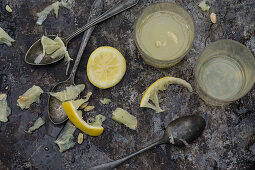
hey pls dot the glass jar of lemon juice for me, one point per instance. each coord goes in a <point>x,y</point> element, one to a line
<point>164,33</point>
<point>224,72</point>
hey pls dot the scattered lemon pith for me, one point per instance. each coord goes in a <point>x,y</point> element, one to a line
<point>151,93</point>
<point>77,120</point>
<point>106,67</point>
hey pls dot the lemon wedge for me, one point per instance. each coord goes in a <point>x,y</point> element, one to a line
<point>151,93</point>
<point>106,67</point>
<point>76,118</point>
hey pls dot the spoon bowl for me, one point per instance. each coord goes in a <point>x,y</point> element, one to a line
<point>184,130</point>
<point>34,55</point>
<point>55,110</point>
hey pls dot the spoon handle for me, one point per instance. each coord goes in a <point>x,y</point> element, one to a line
<point>122,6</point>
<point>113,164</point>
<point>96,9</point>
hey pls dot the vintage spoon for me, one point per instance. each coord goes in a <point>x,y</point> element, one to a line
<point>56,113</point>
<point>179,132</point>
<point>35,51</point>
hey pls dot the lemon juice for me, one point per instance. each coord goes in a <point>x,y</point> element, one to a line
<point>164,35</point>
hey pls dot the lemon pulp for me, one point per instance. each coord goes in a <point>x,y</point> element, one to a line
<point>106,67</point>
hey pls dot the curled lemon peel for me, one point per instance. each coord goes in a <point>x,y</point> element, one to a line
<point>151,93</point>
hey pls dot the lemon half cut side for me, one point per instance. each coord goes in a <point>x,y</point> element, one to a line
<point>106,67</point>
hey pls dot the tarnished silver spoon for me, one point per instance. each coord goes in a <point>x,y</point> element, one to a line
<point>179,132</point>
<point>55,110</point>
<point>35,51</point>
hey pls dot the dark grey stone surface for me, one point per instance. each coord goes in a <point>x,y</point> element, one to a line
<point>227,142</point>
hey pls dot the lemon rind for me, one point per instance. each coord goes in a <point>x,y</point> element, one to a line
<point>160,85</point>
<point>81,124</point>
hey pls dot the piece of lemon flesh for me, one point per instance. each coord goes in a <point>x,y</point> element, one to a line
<point>65,139</point>
<point>55,48</point>
<point>78,103</point>
<point>204,6</point>
<point>37,124</point>
<point>76,118</point>
<point>61,51</point>
<point>49,45</point>
<point>122,116</point>
<point>97,121</point>
<point>151,93</point>
<point>42,16</point>
<point>105,101</point>
<point>5,38</point>
<point>30,96</point>
<point>106,67</point>
<point>70,93</point>
<point>5,110</point>
<point>55,7</point>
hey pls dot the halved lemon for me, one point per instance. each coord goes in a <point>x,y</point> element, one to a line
<point>76,118</point>
<point>151,93</point>
<point>106,67</point>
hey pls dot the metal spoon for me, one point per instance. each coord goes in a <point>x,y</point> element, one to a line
<point>35,51</point>
<point>178,133</point>
<point>55,110</point>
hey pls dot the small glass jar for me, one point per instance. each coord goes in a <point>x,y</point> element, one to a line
<point>179,13</point>
<point>224,72</point>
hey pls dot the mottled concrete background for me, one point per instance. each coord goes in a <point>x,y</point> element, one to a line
<point>227,142</point>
